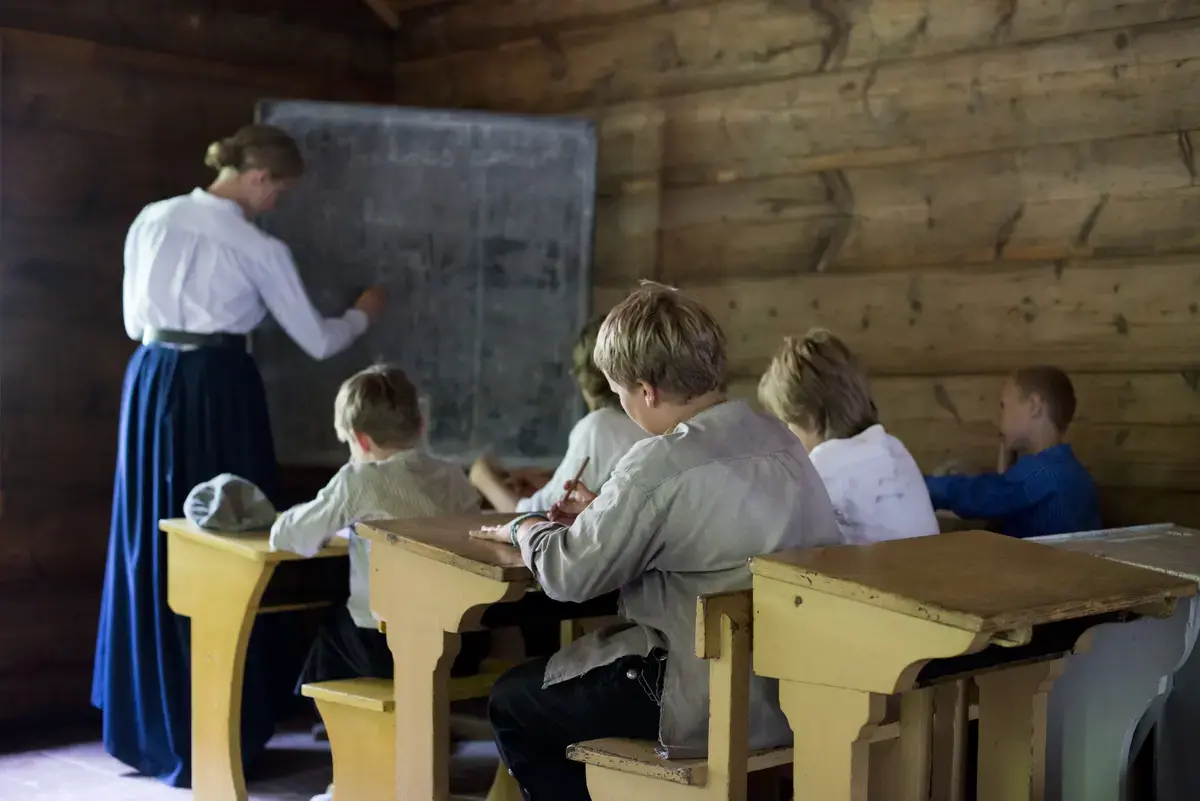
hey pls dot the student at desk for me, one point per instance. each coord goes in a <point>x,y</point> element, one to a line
<point>198,278</point>
<point>388,477</point>
<point>816,386</point>
<point>601,438</point>
<point>1040,487</point>
<point>715,484</point>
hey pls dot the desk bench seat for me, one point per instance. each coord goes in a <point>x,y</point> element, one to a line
<point>360,717</point>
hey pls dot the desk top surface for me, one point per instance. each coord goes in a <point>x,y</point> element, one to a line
<point>974,580</point>
<point>1166,547</point>
<point>447,540</point>
<point>254,545</point>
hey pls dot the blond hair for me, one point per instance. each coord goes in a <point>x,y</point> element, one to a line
<point>816,383</point>
<point>1054,388</point>
<point>257,147</point>
<point>658,336</point>
<point>592,383</point>
<point>381,403</point>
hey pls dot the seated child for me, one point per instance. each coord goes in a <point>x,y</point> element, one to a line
<point>816,386</point>
<point>376,414</point>
<point>602,437</point>
<point>715,484</point>
<point>1046,490</point>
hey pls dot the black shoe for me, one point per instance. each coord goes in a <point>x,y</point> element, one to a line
<point>319,734</point>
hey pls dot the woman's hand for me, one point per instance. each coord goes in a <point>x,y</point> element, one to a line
<point>565,511</point>
<point>372,302</point>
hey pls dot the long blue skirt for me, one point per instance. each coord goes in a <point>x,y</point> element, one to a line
<point>186,416</point>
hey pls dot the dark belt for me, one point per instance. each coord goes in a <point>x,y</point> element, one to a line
<point>189,339</point>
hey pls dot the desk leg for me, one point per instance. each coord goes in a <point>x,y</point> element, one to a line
<point>951,714</point>
<point>423,655</point>
<point>1105,690</point>
<point>220,593</point>
<point>1178,723</point>
<point>1012,731</point>
<point>425,604</point>
<point>833,729</point>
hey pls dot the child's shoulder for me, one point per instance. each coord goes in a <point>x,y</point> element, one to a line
<point>607,423</point>
<point>731,431</point>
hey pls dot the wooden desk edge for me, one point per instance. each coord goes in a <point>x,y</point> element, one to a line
<point>506,575</point>
<point>243,544</point>
<point>804,579</point>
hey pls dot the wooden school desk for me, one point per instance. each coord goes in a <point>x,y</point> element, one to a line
<point>429,582</point>
<point>844,627</point>
<point>1131,668</point>
<point>219,581</point>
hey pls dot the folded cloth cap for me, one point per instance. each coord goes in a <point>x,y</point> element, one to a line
<point>229,503</point>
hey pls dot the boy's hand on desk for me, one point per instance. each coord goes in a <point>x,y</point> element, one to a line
<point>565,511</point>
<point>493,533</point>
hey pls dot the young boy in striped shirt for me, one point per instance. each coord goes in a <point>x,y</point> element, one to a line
<point>388,477</point>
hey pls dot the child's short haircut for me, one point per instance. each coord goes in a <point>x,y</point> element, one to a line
<point>658,336</point>
<point>1053,387</point>
<point>381,403</point>
<point>816,383</point>
<point>587,375</point>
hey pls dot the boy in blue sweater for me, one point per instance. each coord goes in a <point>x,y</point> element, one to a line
<point>1041,488</point>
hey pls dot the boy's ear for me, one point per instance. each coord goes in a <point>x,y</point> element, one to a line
<point>364,442</point>
<point>1037,405</point>
<point>650,396</point>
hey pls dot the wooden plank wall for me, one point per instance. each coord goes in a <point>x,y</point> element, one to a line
<point>958,187</point>
<point>108,106</point>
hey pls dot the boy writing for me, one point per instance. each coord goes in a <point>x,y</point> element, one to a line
<point>715,484</point>
<point>377,415</point>
<point>816,386</point>
<point>1040,488</point>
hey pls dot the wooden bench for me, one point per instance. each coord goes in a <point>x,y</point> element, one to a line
<point>360,716</point>
<point>625,769</point>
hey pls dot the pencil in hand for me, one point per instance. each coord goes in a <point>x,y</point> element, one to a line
<point>575,481</point>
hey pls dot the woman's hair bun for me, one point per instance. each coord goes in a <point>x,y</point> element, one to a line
<point>253,147</point>
<point>220,155</point>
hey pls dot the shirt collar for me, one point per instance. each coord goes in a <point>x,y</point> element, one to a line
<point>208,199</point>
<point>868,435</point>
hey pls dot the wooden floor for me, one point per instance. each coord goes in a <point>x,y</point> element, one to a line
<point>295,769</point>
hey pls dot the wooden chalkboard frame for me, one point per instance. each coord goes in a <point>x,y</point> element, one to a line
<point>573,407</point>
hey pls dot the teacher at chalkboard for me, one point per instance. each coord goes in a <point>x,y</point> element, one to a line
<point>198,278</point>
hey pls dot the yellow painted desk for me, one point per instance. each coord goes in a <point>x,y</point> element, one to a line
<point>218,581</point>
<point>429,582</point>
<point>844,627</point>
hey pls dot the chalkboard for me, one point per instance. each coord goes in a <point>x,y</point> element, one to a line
<point>480,226</point>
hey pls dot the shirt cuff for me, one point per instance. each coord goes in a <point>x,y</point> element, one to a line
<point>358,321</point>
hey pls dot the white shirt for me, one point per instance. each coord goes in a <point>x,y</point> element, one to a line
<point>194,263</point>
<point>408,484</point>
<point>605,435</point>
<point>877,490</point>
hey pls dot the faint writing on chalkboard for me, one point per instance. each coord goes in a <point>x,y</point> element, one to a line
<point>480,226</point>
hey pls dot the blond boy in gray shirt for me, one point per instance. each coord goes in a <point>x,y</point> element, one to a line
<point>377,415</point>
<point>714,485</point>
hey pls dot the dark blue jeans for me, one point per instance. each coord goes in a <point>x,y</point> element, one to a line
<point>534,726</point>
